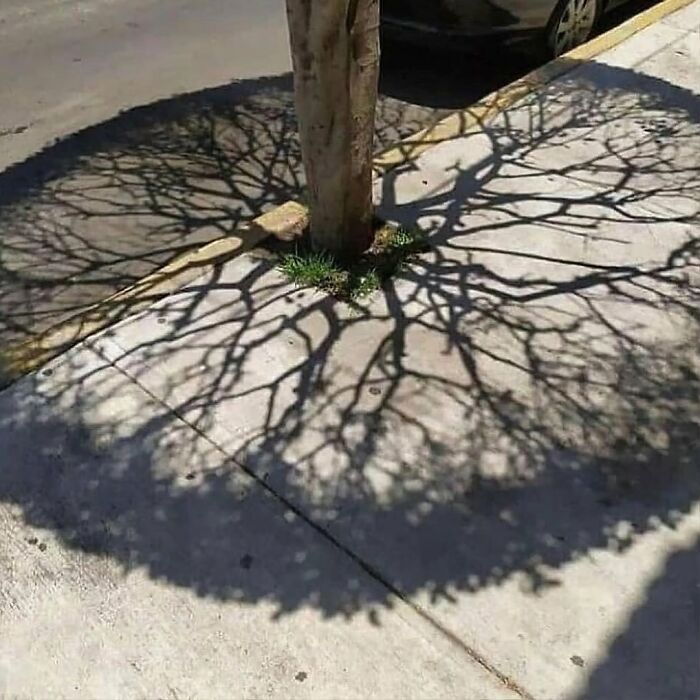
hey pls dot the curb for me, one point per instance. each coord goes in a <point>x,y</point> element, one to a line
<point>284,222</point>
<point>289,220</point>
<point>471,119</point>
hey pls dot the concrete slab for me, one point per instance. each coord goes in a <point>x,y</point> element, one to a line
<point>520,203</point>
<point>679,64</point>
<point>507,433</point>
<point>138,561</point>
<point>642,46</point>
<point>687,18</point>
<point>630,131</point>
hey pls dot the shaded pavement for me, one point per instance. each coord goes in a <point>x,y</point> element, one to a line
<point>105,207</point>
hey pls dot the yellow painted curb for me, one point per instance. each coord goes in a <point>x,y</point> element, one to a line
<point>285,222</point>
<point>472,119</point>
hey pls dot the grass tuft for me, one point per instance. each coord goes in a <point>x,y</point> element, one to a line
<point>392,249</point>
<point>309,269</point>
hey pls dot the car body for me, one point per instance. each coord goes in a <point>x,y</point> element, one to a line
<point>473,23</point>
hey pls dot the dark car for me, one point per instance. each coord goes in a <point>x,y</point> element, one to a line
<point>559,25</point>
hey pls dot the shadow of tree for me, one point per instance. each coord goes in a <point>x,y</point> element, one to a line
<point>101,209</point>
<point>525,396</point>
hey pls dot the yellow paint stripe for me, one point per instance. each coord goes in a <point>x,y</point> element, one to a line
<point>471,119</point>
<point>286,221</point>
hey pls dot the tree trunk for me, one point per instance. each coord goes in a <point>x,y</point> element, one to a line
<point>335,51</point>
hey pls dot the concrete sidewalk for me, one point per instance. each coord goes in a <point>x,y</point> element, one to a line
<point>481,483</point>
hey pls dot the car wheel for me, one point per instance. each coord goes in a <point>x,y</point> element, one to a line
<point>572,23</point>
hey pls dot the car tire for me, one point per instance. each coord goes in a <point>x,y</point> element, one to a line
<point>572,23</point>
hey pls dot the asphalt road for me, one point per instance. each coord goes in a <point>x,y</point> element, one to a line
<point>67,64</point>
<point>176,124</point>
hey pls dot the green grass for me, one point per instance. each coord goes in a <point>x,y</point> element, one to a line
<point>392,249</point>
<point>309,269</point>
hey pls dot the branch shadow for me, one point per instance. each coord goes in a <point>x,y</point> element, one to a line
<point>97,211</point>
<point>524,396</point>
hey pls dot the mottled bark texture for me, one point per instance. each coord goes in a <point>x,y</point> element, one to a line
<point>335,50</point>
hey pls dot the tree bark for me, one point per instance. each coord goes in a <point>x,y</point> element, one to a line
<point>335,51</point>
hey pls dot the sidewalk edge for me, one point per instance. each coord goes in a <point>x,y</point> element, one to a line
<point>471,119</point>
<point>285,222</point>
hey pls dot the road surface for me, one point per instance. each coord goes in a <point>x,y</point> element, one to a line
<point>71,63</point>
